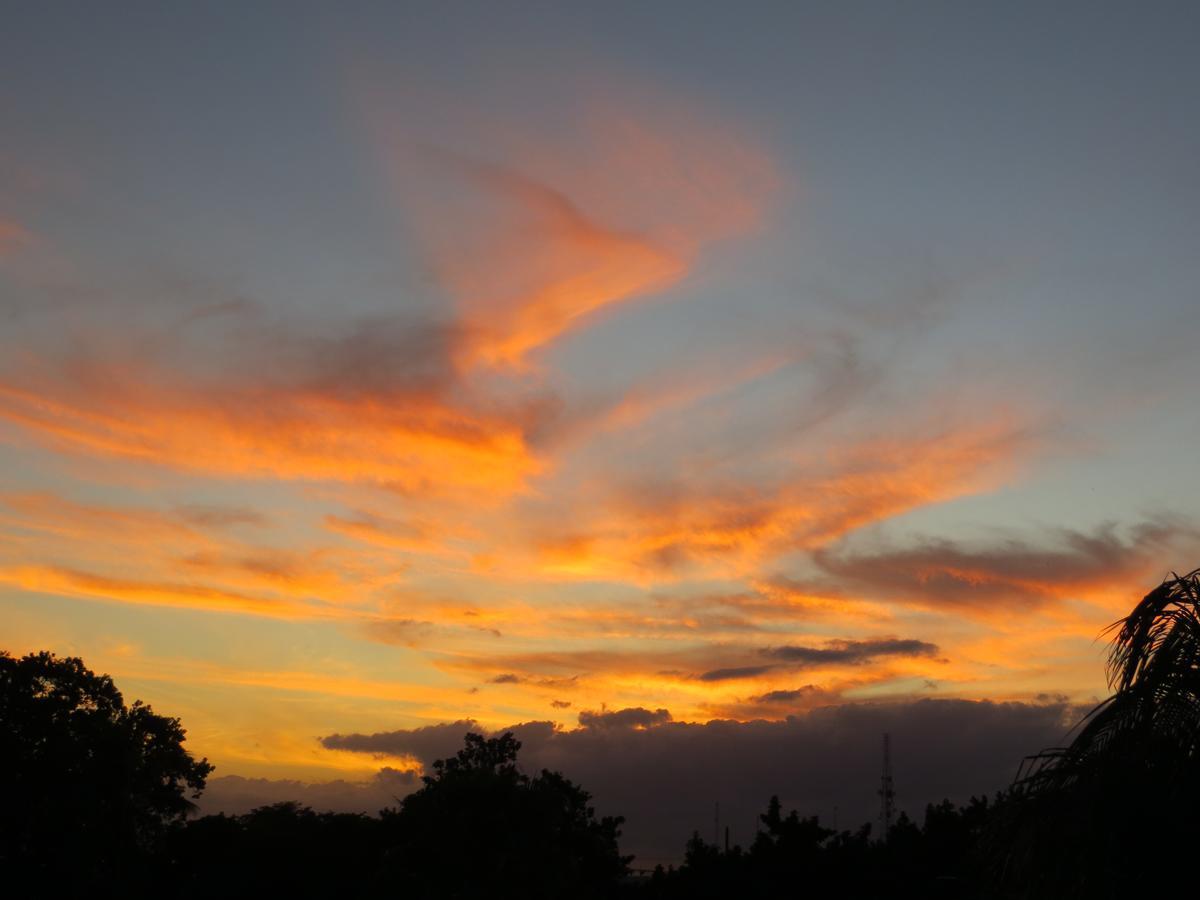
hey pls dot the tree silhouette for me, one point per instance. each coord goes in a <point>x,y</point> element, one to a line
<point>480,827</point>
<point>89,785</point>
<point>93,797</point>
<point>281,850</point>
<point>1092,819</point>
<point>793,856</point>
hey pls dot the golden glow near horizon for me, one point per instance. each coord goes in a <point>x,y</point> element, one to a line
<point>279,524</point>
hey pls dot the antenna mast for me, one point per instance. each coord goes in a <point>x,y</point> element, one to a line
<point>887,793</point>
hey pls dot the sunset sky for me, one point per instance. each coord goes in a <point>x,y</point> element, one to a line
<point>522,363</point>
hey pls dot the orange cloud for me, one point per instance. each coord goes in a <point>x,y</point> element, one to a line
<point>654,533</point>
<point>300,574</point>
<point>73,583</point>
<point>557,227</point>
<point>547,265</point>
<point>658,675</point>
<point>414,443</point>
<point>670,392</point>
<point>12,237</point>
<point>410,535</point>
<point>161,558</point>
<point>1104,565</point>
<point>50,514</point>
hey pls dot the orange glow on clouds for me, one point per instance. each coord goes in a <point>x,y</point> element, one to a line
<point>416,444</point>
<point>436,523</point>
<point>12,236</point>
<point>71,583</point>
<point>543,268</point>
<point>651,535</point>
<point>619,209</point>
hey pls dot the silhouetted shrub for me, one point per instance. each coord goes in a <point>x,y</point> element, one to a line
<point>89,786</point>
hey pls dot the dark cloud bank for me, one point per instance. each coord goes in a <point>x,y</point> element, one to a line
<point>665,777</point>
<point>846,653</point>
<point>234,794</point>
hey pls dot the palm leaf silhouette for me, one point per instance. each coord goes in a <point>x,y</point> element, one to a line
<point>1090,819</point>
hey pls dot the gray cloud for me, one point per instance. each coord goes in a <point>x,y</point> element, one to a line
<point>397,631</point>
<point>836,652</point>
<point>792,696</point>
<point>852,652</point>
<point>375,356</point>
<point>734,672</point>
<point>426,744</point>
<point>633,717</point>
<point>949,573</point>
<point>233,794</point>
<point>207,516</point>
<point>666,776</point>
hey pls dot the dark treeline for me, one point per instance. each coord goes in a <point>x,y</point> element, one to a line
<point>940,858</point>
<point>95,797</point>
<point>299,852</point>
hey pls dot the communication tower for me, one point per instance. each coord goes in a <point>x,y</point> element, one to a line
<point>887,792</point>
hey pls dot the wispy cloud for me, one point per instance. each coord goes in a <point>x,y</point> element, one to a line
<point>1012,573</point>
<point>835,653</point>
<point>548,265</point>
<point>74,583</point>
<point>355,409</point>
<point>660,530</point>
<point>13,236</point>
<point>622,201</point>
<point>843,652</point>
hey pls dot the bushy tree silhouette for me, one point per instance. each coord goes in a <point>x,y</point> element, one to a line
<point>480,827</point>
<point>93,795</point>
<point>89,785</point>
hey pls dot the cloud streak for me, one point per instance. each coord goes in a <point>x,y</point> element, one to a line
<point>623,200</point>
<point>662,530</point>
<point>851,652</point>
<point>941,573</point>
<point>13,237</point>
<point>548,265</point>
<point>249,430</point>
<point>834,653</point>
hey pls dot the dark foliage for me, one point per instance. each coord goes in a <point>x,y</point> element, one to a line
<point>95,800</point>
<point>284,850</point>
<point>479,826</point>
<point>936,860</point>
<point>89,786</point>
<point>1092,819</point>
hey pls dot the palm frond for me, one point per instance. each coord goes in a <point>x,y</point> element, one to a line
<point>1131,768</point>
